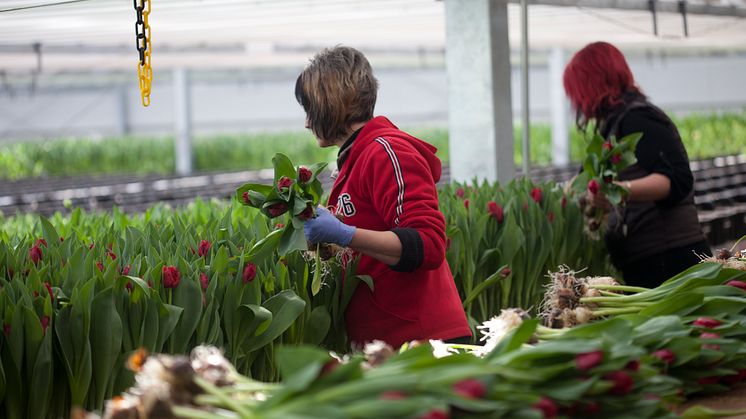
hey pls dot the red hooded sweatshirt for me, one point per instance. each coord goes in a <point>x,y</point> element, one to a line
<point>386,181</point>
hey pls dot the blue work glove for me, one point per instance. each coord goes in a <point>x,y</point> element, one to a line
<point>326,228</point>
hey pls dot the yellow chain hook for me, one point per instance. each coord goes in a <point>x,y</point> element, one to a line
<point>144,47</point>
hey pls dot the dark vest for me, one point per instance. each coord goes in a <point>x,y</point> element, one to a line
<point>641,229</point>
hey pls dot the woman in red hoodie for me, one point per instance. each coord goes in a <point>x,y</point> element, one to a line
<point>386,193</point>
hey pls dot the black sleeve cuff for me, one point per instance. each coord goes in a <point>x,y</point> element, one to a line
<point>412,250</point>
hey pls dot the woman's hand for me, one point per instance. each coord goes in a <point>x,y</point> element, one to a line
<point>326,228</point>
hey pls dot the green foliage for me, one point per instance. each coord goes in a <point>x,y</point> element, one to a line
<point>704,136</point>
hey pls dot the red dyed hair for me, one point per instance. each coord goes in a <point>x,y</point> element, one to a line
<point>596,79</point>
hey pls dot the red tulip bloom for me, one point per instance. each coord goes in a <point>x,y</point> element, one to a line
<point>90,246</point>
<point>171,277</point>
<point>633,365</point>
<point>466,203</point>
<point>563,203</point>
<point>607,145</point>
<point>547,406</point>
<point>111,255</point>
<point>470,388</point>
<point>708,380</point>
<point>203,248</point>
<point>284,183</point>
<point>536,194</point>
<point>249,273</point>
<point>44,323</point>
<point>622,383</point>
<point>126,270</point>
<point>246,198</point>
<point>593,186</point>
<point>665,355</point>
<point>307,213</point>
<point>506,272</point>
<point>279,226</point>
<point>49,290</point>
<point>706,322</point>
<point>616,158</point>
<point>204,281</point>
<point>496,211</point>
<point>550,216</point>
<point>277,209</point>
<point>62,239</point>
<point>588,360</point>
<point>435,414</point>
<point>393,395</point>
<point>737,284</point>
<point>304,174</point>
<point>35,254</point>
<point>708,335</point>
<point>460,193</point>
<point>100,266</point>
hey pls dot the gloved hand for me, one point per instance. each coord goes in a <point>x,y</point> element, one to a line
<point>326,228</point>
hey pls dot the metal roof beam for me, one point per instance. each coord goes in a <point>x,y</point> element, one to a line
<point>661,6</point>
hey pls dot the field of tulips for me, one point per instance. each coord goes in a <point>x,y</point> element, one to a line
<point>703,135</point>
<point>81,293</point>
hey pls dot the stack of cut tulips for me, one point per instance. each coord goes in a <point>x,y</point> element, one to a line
<point>691,338</point>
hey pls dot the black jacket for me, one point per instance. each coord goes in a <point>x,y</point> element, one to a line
<point>642,229</point>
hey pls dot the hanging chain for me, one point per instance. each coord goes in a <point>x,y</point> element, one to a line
<point>144,47</point>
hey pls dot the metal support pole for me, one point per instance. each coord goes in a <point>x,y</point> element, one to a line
<point>183,122</point>
<point>123,117</point>
<point>559,109</point>
<point>525,131</point>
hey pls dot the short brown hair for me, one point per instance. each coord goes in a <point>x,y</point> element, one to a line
<point>337,89</point>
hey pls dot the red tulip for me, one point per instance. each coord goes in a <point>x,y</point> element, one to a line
<point>708,335</point>
<point>563,203</point>
<point>100,266</point>
<point>44,323</point>
<point>126,270</point>
<point>460,193</point>
<point>171,277</point>
<point>284,183</point>
<point>62,239</point>
<point>550,216</point>
<point>737,284</point>
<point>203,248</point>
<point>49,290</point>
<point>588,360</point>
<point>249,272</point>
<point>616,158</point>
<point>607,145</point>
<point>111,255</point>
<point>307,213</point>
<point>622,383</point>
<point>204,280</point>
<point>435,414</point>
<point>536,194</point>
<point>304,174</point>
<point>470,388</point>
<point>706,322</point>
<point>246,198</point>
<point>393,395</point>
<point>466,203</point>
<point>633,365</point>
<point>279,226</point>
<point>90,246</point>
<point>665,355</point>
<point>506,272</point>
<point>708,380</point>
<point>593,186</point>
<point>496,211</point>
<point>35,254</point>
<point>277,209</point>
<point>547,406</point>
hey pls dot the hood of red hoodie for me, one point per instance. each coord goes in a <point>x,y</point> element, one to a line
<point>380,126</point>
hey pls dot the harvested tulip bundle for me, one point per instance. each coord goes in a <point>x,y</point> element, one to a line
<point>603,161</point>
<point>729,258</point>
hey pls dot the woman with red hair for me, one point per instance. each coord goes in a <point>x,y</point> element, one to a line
<point>655,234</point>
